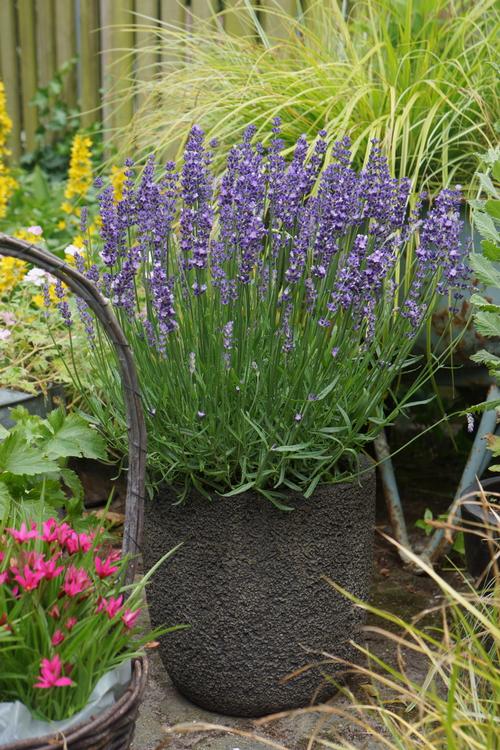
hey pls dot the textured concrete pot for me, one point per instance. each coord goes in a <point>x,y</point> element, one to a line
<point>248,580</point>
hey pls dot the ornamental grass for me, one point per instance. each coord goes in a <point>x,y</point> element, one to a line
<point>268,323</point>
<point>420,75</point>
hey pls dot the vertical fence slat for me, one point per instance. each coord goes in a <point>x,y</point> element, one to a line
<point>26,23</point>
<point>46,50</point>
<point>106,20</point>
<point>42,35</point>
<point>66,45</point>
<point>89,68</point>
<point>147,56</point>
<point>200,12</point>
<point>237,20</point>
<point>274,26</point>
<point>122,42</point>
<point>172,12</point>
<point>10,76</point>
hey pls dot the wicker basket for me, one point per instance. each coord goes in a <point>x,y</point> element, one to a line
<point>112,729</point>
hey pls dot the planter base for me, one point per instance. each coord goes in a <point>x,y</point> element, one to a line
<point>249,582</point>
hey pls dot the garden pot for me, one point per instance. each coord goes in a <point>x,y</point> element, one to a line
<point>477,548</point>
<point>39,404</point>
<point>249,581</point>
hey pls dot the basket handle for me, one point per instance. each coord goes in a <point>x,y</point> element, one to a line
<point>136,428</point>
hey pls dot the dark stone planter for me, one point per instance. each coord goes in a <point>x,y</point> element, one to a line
<point>39,404</point>
<point>248,580</point>
<point>477,547</point>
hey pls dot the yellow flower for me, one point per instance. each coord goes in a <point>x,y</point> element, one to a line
<point>5,122</point>
<point>78,241</point>
<point>39,299</point>
<point>67,207</point>
<point>7,186</point>
<point>70,252</point>
<point>7,183</point>
<point>11,273</point>
<point>117,180</point>
<point>80,168</point>
<point>28,236</point>
<point>61,224</point>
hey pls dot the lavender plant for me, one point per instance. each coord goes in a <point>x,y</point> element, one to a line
<point>269,315</point>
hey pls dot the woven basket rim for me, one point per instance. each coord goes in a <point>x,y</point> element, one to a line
<point>134,504</point>
<point>136,427</point>
<point>131,696</point>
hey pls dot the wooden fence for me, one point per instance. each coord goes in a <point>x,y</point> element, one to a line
<point>38,36</point>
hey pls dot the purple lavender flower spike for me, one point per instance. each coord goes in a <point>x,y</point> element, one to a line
<point>62,305</point>
<point>197,212</point>
<point>227,342</point>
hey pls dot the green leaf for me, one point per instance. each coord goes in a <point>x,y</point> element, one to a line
<point>17,457</point>
<point>487,358</point>
<point>485,270</point>
<point>491,250</point>
<point>493,208</point>
<point>5,500</point>
<point>72,436</point>
<point>40,187</point>
<point>487,184</point>
<point>328,389</point>
<point>238,490</point>
<point>485,226</point>
<point>487,323</point>
<point>290,448</point>
<point>72,482</point>
<point>483,304</point>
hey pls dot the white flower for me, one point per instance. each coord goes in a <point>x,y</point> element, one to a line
<point>36,276</point>
<point>72,250</point>
<point>5,334</point>
<point>36,230</point>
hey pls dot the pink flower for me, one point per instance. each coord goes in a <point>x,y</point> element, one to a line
<point>57,638</point>
<point>76,581</point>
<point>23,535</point>
<point>50,569</point>
<point>35,559</point>
<point>105,568</point>
<point>36,230</point>
<point>129,618</point>
<point>8,318</point>
<point>54,612</point>
<point>70,623</point>
<point>50,530</point>
<point>111,606</point>
<point>4,577</point>
<point>78,542</point>
<point>29,579</point>
<point>50,674</point>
